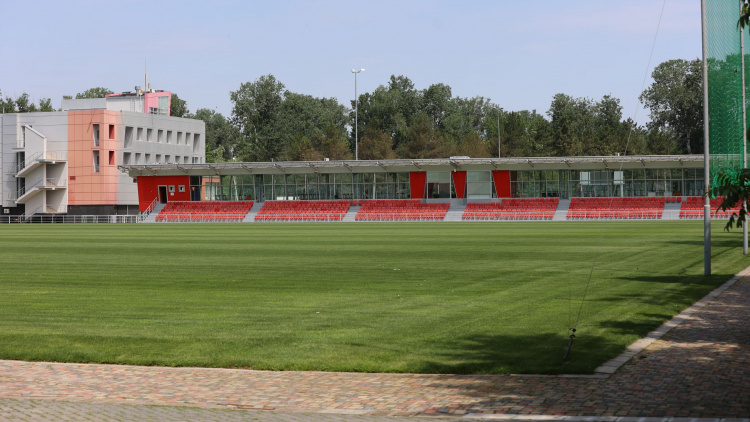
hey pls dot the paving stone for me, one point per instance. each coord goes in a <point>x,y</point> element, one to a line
<point>698,369</point>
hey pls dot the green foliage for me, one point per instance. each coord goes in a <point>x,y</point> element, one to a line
<point>734,187</point>
<point>675,99</point>
<point>300,148</point>
<point>581,126</point>
<point>424,140</point>
<point>98,92</point>
<point>45,104</point>
<point>7,105</point>
<point>374,144</point>
<point>24,104</point>
<point>178,107</point>
<point>401,297</point>
<point>222,137</point>
<point>472,146</point>
<point>255,111</point>
<point>744,14</point>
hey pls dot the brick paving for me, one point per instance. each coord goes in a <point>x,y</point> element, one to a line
<point>699,369</point>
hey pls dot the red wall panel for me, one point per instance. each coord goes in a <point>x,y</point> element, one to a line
<point>148,189</point>
<point>502,183</point>
<point>417,180</point>
<point>459,182</point>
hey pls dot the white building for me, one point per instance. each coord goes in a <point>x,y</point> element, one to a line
<point>66,162</point>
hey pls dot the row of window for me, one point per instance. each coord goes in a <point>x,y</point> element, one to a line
<point>479,185</point>
<point>129,158</point>
<point>161,136</point>
<point>110,132</point>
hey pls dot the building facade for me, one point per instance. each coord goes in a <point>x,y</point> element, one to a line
<point>450,179</point>
<point>67,162</point>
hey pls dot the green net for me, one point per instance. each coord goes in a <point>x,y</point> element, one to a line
<point>725,86</point>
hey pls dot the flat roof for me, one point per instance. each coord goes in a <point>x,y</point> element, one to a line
<point>628,162</point>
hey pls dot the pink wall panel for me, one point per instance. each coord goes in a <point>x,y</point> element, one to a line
<point>86,187</point>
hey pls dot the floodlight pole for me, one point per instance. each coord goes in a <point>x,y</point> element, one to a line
<point>499,110</point>
<point>356,116</point>
<point>744,129</point>
<point>706,171</point>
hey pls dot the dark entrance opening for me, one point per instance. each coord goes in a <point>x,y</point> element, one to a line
<point>162,194</point>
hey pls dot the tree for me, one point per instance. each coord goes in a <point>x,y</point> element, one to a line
<point>309,116</point>
<point>675,100</point>
<point>221,137</point>
<point>568,124</point>
<point>424,140</point>
<point>24,104</point>
<point>7,105</point>
<point>98,92</point>
<point>393,107</point>
<point>301,148</point>
<point>256,106</point>
<point>333,143</point>
<point>45,104</point>
<point>178,107</point>
<point>472,146</point>
<point>374,144</point>
<point>735,188</point>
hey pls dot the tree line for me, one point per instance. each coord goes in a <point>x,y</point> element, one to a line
<point>396,120</point>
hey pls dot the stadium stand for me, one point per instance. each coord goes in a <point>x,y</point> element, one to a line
<point>640,208</point>
<point>512,209</point>
<point>692,208</point>
<point>401,210</point>
<point>333,210</point>
<point>204,211</point>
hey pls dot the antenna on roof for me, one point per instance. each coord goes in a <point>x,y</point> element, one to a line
<point>146,88</point>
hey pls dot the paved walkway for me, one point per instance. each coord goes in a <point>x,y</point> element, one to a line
<point>699,369</point>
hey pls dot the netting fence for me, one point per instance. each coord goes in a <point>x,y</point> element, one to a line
<point>725,86</point>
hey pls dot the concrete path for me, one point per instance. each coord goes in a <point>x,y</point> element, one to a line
<point>699,369</point>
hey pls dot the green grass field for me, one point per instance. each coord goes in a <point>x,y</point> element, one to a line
<point>402,297</point>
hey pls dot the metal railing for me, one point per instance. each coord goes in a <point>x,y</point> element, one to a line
<point>149,209</point>
<point>49,156</point>
<point>69,219</point>
<point>200,218</point>
<point>42,183</point>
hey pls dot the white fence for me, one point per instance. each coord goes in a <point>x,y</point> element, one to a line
<point>69,219</point>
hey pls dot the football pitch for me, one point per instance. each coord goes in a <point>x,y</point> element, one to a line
<point>374,297</point>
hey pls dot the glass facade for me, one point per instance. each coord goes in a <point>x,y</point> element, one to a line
<point>605,183</point>
<point>273,187</point>
<point>439,184</point>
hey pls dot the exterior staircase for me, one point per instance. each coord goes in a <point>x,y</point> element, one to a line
<point>250,216</point>
<point>455,212</point>
<point>561,213</point>
<point>151,218</point>
<point>351,214</point>
<point>671,211</point>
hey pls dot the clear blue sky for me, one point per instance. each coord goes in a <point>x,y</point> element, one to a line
<point>517,53</point>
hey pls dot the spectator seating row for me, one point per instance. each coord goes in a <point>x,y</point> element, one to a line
<point>616,208</point>
<point>692,208</point>
<point>512,209</point>
<point>204,211</point>
<point>333,210</point>
<point>401,210</point>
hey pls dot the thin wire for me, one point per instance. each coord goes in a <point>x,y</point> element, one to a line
<point>625,152</point>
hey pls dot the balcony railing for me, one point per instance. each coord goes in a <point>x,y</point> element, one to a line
<point>39,158</point>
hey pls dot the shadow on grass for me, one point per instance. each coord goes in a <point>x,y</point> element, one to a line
<point>522,353</point>
<point>724,243</point>
<point>543,353</point>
